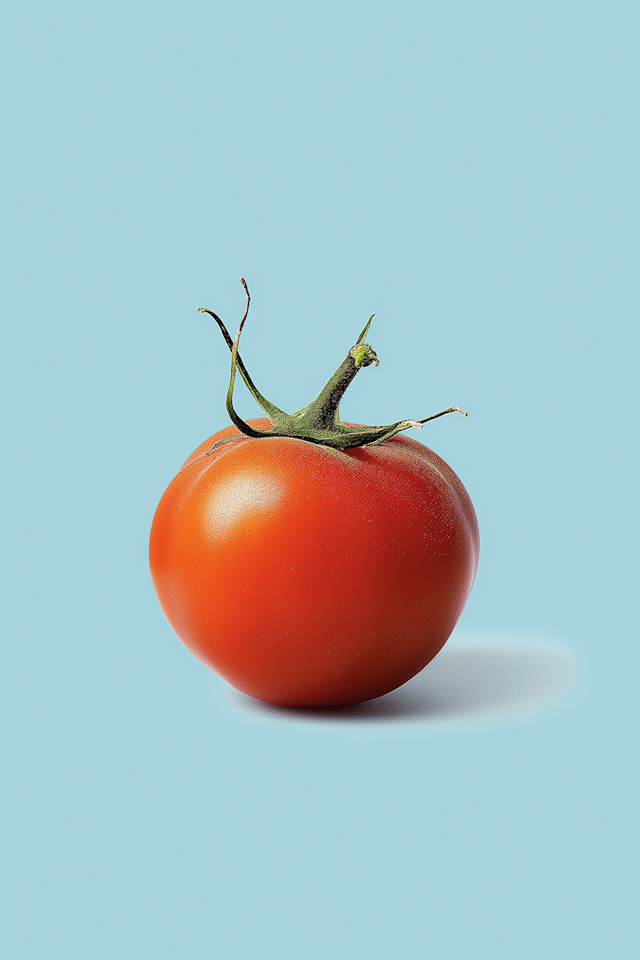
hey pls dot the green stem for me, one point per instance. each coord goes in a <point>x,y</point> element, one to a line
<point>319,422</point>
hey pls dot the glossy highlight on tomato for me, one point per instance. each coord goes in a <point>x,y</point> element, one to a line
<point>312,562</point>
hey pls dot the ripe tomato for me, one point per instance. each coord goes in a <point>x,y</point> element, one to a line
<point>309,561</point>
<point>305,575</point>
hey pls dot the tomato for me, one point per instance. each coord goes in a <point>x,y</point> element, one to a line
<point>309,574</point>
<point>304,575</point>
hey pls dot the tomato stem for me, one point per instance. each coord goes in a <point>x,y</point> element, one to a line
<point>318,422</point>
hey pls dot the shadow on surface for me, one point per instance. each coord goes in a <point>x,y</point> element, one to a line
<point>465,682</point>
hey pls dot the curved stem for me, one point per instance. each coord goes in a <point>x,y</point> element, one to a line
<point>242,426</point>
<point>219,443</point>
<point>229,341</point>
<point>274,413</point>
<point>319,422</point>
<point>442,413</point>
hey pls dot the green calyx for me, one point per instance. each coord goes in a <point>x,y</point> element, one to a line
<point>318,422</point>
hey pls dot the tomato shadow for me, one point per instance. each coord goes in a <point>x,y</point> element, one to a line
<point>467,681</point>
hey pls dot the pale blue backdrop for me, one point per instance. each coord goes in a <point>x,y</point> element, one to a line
<point>468,170</point>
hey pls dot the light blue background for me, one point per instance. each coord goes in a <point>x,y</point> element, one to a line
<point>468,171</point>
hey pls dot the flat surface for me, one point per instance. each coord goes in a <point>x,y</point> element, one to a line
<point>469,172</point>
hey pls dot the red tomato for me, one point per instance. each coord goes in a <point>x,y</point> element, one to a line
<point>305,575</point>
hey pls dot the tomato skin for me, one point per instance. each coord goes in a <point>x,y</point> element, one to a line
<point>304,575</point>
